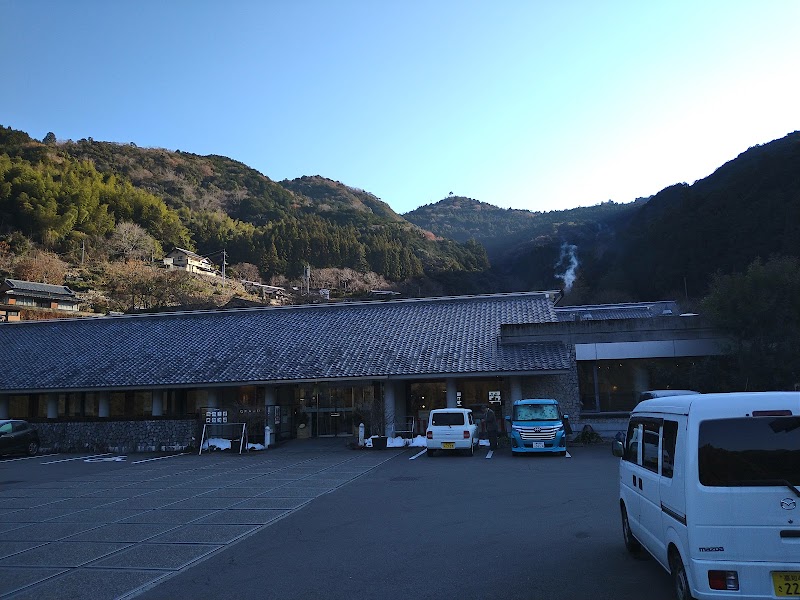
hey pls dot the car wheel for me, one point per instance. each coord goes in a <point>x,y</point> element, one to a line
<point>631,543</point>
<point>680,580</point>
<point>32,448</point>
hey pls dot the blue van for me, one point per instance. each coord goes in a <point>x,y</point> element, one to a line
<point>538,425</point>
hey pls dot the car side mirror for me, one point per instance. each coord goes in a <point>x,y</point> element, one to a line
<point>616,448</point>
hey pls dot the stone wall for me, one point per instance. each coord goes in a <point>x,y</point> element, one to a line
<point>118,436</point>
<point>563,388</point>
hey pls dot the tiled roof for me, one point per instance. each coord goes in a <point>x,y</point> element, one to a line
<point>405,338</point>
<point>607,312</point>
<point>16,287</point>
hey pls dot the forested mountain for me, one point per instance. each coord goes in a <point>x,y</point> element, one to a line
<point>85,198</point>
<point>528,250</point>
<point>747,209</point>
<point>67,195</point>
<point>667,246</point>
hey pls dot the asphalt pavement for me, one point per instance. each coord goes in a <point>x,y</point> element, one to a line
<point>314,519</point>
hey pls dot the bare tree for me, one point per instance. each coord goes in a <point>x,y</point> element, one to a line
<point>42,266</point>
<point>131,241</point>
<point>247,271</point>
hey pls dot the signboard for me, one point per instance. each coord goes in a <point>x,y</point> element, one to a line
<point>216,416</point>
<point>458,399</point>
<point>494,397</point>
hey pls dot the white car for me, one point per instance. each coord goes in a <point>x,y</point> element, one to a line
<point>451,429</point>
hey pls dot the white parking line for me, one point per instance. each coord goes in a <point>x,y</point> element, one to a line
<point>29,457</point>
<point>567,455</point>
<point>105,459</point>
<point>136,462</point>
<point>52,462</point>
<point>418,454</point>
<point>489,454</point>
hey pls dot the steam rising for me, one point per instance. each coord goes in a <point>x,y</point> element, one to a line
<point>568,261</point>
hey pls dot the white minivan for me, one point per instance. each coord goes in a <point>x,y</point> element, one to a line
<point>451,429</point>
<point>709,487</point>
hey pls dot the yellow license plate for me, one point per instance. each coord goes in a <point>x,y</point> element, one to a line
<point>786,583</point>
<point>448,445</point>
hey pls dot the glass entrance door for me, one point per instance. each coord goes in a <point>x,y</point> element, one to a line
<point>334,422</point>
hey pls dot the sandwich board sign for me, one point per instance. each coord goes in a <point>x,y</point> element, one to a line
<point>494,397</point>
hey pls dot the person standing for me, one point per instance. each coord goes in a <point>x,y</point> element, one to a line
<point>491,428</point>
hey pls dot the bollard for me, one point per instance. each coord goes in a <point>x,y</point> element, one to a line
<point>267,435</point>
<point>361,435</point>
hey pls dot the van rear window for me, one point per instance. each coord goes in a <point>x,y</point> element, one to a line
<point>447,418</point>
<point>749,451</point>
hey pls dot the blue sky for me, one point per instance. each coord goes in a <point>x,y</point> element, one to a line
<point>522,104</point>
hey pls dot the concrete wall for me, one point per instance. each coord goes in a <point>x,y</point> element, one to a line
<point>119,436</point>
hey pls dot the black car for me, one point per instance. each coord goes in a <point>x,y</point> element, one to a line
<point>18,436</point>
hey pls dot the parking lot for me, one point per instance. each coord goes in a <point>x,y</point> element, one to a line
<point>316,519</point>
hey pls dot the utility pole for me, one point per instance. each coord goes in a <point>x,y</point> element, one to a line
<point>224,260</point>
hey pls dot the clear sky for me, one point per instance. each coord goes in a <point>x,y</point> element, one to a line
<point>524,104</point>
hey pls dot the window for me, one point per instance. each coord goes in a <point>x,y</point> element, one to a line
<point>668,442</point>
<point>650,445</point>
<point>749,451</point>
<point>643,433</point>
<point>142,404</point>
<point>536,412</point>
<point>632,441</point>
<point>447,418</point>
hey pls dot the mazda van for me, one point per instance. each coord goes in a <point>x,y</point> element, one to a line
<point>709,485</point>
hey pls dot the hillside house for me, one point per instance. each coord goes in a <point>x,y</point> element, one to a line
<point>17,295</point>
<point>186,260</point>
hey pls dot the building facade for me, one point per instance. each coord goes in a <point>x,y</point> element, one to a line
<point>27,299</point>
<point>144,382</point>
<point>186,260</point>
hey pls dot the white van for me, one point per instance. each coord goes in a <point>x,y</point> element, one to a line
<point>709,486</point>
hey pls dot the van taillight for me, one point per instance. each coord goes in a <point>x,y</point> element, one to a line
<point>772,413</point>
<point>723,580</point>
<point>466,434</point>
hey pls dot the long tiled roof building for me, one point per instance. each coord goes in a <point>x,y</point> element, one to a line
<point>145,381</point>
<point>407,338</point>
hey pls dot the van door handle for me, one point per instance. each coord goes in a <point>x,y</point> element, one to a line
<point>640,483</point>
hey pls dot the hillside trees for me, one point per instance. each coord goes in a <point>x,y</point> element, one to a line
<point>83,199</point>
<point>53,203</point>
<point>760,310</point>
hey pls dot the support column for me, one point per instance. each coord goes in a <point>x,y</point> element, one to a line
<point>4,407</point>
<point>270,402</point>
<point>52,406</point>
<point>389,409</point>
<point>158,403</point>
<point>452,399</point>
<point>401,412</point>
<point>515,383</point>
<point>212,398</point>
<point>103,404</point>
